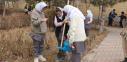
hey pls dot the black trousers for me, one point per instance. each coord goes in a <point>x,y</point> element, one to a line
<point>87,32</point>
<point>121,24</point>
<point>110,21</point>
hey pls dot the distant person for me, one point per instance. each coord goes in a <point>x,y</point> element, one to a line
<point>38,30</point>
<point>76,33</point>
<point>26,9</point>
<point>124,22</point>
<point>88,21</point>
<point>112,15</point>
<point>121,19</point>
<point>59,24</point>
<point>29,9</point>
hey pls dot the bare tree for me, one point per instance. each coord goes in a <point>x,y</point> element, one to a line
<point>3,7</point>
<point>103,17</point>
<point>99,10</point>
<point>73,2</point>
<point>87,3</point>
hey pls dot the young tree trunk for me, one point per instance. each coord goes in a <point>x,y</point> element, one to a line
<point>17,6</point>
<point>12,5</point>
<point>4,9</point>
<point>73,2</point>
<point>68,2</point>
<point>49,4</point>
<point>86,7</point>
<point>8,4</point>
<point>87,4</point>
<point>99,11</point>
<point>77,3</point>
<point>103,18</point>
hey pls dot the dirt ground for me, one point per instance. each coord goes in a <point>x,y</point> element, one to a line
<point>114,24</point>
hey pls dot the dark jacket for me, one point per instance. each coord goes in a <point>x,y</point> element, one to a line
<point>112,14</point>
<point>122,17</point>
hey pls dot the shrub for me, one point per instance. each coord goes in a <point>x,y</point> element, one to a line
<point>22,20</point>
<point>7,11</point>
<point>50,13</point>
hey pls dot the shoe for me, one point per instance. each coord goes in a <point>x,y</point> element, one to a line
<point>58,57</point>
<point>63,57</point>
<point>36,60</point>
<point>40,57</point>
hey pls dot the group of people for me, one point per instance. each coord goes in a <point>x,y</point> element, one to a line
<point>76,30</point>
<point>27,9</point>
<point>113,14</point>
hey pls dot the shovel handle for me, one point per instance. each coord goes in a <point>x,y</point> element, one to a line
<point>62,36</point>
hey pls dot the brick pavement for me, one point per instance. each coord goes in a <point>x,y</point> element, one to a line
<point>110,49</point>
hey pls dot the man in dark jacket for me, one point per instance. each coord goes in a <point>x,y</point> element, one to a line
<point>112,15</point>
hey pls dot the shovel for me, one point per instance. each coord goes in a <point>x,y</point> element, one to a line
<point>66,44</point>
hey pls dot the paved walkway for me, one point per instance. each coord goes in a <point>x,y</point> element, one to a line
<point>110,49</point>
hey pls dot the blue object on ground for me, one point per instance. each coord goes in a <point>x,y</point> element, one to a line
<point>66,47</point>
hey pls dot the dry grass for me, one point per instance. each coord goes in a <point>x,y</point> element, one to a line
<point>7,11</point>
<point>114,24</point>
<point>16,45</point>
<point>15,42</point>
<point>96,24</point>
<point>17,21</point>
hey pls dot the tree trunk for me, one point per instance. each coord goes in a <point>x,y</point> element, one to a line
<point>86,7</point>
<point>99,11</point>
<point>12,5</point>
<point>77,3</point>
<point>87,4</point>
<point>4,9</point>
<point>49,4</point>
<point>68,2</point>
<point>73,2</point>
<point>103,18</point>
<point>17,6</point>
<point>8,4</point>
